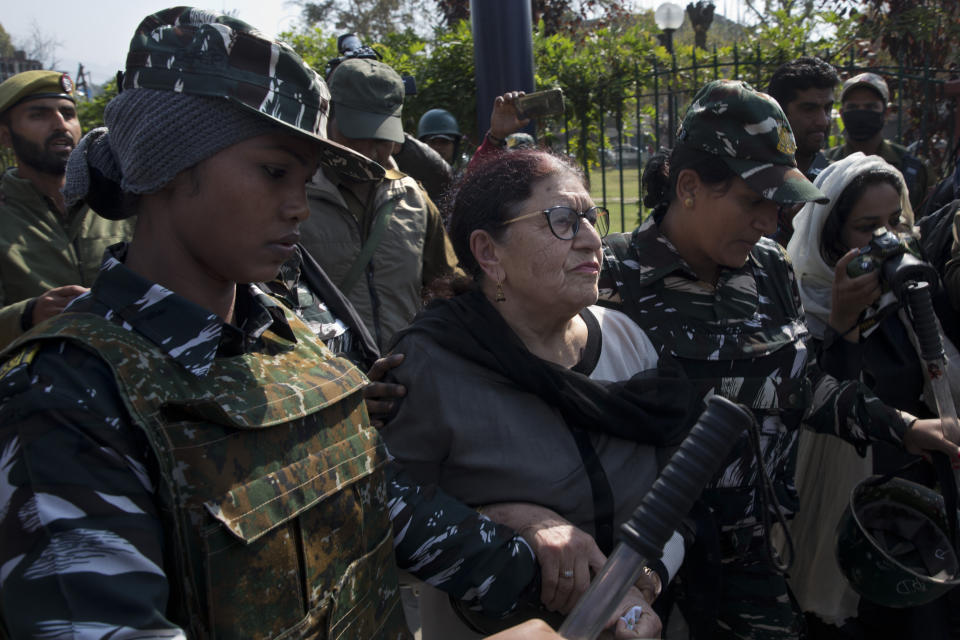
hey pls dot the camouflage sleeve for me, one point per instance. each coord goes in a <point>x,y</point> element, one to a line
<point>80,539</point>
<point>448,545</point>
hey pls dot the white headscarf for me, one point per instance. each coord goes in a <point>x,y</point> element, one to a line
<point>814,275</point>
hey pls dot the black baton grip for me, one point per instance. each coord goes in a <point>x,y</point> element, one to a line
<point>696,461</point>
<point>924,319</point>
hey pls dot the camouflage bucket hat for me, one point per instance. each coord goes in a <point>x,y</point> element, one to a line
<point>195,52</point>
<point>750,133</point>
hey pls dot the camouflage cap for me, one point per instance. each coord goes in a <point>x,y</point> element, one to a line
<point>33,85</point>
<point>368,95</point>
<point>870,81</point>
<point>750,133</point>
<point>195,52</point>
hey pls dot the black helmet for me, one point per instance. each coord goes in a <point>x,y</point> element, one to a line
<point>893,543</point>
<point>438,122</point>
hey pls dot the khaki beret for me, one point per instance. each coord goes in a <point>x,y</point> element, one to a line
<point>31,85</point>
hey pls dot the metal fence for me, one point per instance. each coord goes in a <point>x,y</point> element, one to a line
<point>652,102</point>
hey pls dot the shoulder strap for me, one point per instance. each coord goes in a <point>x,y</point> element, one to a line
<point>912,169</point>
<point>380,222</point>
<point>342,309</point>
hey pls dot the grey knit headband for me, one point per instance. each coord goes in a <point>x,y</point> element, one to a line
<point>150,137</point>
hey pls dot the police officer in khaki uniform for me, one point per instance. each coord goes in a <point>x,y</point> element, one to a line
<point>49,252</point>
<point>381,241</point>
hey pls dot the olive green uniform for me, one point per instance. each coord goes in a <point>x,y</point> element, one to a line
<point>915,172</point>
<point>40,249</point>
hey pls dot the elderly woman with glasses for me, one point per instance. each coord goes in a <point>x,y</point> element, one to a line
<point>505,385</point>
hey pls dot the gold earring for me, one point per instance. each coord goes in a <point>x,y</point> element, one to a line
<point>500,297</point>
<point>688,203</point>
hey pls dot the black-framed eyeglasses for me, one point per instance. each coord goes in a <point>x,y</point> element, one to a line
<point>564,222</point>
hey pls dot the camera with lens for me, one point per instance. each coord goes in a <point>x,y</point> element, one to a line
<point>898,258</point>
<point>350,46</point>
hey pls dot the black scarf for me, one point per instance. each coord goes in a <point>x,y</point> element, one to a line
<point>655,407</point>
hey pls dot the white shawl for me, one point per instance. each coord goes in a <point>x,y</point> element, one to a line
<point>827,468</point>
<point>814,275</point>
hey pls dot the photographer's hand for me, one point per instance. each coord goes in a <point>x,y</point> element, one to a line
<point>850,296</point>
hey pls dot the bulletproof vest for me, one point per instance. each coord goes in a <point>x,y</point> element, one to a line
<point>271,493</point>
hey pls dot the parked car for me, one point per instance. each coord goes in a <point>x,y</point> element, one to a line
<point>612,156</point>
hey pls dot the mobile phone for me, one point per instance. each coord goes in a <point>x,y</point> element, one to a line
<point>540,103</point>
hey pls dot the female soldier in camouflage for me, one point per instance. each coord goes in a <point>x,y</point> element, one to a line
<point>700,278</point>
<point>180,455</point>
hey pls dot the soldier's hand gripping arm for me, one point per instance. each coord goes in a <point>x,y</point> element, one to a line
<point>379,395</point>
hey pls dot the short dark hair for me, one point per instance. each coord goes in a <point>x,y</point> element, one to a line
<point>799,75</point>
<point>488,194</point>
<point>831,245</point>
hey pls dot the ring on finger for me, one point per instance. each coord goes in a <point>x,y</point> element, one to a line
<point>567,573</point>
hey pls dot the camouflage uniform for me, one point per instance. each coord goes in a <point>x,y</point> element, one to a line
<point>745,339</point>
<point>174,478</point>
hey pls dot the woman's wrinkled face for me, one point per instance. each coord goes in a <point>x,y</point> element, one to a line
<point>546,273</point>
<point>878,206</point>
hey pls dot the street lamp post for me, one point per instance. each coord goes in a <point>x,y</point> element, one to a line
<point>669,17</point>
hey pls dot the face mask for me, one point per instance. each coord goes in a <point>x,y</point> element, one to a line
<point>862,124</point>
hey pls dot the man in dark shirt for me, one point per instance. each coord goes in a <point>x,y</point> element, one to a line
<point>805,90</point>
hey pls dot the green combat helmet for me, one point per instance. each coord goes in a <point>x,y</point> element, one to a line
<point>893,544</point>
<point>438,122</point>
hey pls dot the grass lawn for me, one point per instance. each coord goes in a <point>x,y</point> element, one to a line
<point>624,206</point>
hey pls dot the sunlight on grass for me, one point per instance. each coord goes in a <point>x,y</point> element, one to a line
<point>624,206</point>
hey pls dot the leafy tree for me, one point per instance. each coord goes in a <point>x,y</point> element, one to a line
<point>922,37</point>
<point>442,68</point>
<point>6,43</point>
<point>372,20</point>
<point>90,113</point>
